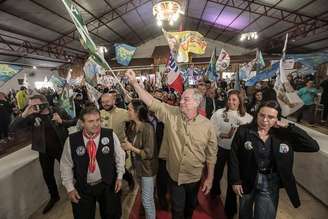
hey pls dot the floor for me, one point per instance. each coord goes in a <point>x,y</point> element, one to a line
<point>310,208</point>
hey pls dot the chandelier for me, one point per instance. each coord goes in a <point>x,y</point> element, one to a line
<point>167,11</point>
<point>249,36</point>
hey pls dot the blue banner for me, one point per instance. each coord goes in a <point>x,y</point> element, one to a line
<point>267,73</point>
<point>311,59</point>
<point>8,71</point>
<point>124,53</point>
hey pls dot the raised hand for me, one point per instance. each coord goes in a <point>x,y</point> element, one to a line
<point>131,75</point>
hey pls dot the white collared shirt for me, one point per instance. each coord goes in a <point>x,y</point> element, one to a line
<point>66,163</point>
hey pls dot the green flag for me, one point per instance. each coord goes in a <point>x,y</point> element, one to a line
<point>85,39</point>
<point>66,102</point>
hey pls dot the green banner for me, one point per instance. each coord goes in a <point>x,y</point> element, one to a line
<point>85,39</point>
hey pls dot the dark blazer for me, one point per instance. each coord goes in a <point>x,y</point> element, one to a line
<point>243,166</point>
<point>38,131</point>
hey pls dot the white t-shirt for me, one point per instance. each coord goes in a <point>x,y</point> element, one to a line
<point>223,122</point>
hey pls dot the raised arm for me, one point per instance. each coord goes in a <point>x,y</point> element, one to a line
<point>146,97</point>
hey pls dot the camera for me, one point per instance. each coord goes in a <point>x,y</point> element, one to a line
<point>40,107</point>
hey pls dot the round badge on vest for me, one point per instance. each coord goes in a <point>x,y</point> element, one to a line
<point>37,122</point>
<point>105,150</point>
<point>105,140</point>
<point>80,151</point>
<point>248,145</point>
<point>284,148</point>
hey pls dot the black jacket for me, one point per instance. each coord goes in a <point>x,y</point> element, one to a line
<point>210,108</point>
<point>243,166</point>
<point>38,131</point>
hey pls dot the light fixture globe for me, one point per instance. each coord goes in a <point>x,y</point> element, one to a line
<point>168,11</point>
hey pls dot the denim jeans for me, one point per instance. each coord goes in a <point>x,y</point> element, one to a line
<point>147,196</point>
<point>264,197</point>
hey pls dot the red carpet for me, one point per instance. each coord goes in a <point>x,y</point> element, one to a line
<point>207,209</point>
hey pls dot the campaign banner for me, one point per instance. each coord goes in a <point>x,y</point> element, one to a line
<point>184,42</point>
<point>8,71</point>
<point>124,53</point>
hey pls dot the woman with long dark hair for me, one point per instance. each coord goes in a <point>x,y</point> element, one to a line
<point>261,161</point>
<point>141,142</point>
<point>226,121</point>
<point>256,102</point>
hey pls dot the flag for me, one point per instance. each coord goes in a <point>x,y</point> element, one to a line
<point>57,81</point>
<point>223,61</point>
<point>245,70</point>
<point>259,61</point>
<point>91,70</point>
<point>266,73</point>
<point>93,94</point>
<point>174,78</point>
<point>8,71</point>
<point>85,39</point>
<point>76,81</point>
<point>287,97</point>
<point>211,69</point>
<point>181,43</point>
<point>96,54</point>
<point>66,102</point>
<point>124,53</point>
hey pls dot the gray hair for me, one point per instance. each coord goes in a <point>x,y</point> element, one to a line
<point>198,96</point>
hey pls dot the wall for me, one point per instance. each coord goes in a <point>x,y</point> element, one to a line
<point>146,50</point>
<point>39,75</point>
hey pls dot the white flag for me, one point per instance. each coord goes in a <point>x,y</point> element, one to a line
<point>223,61</point>
<point>93,94</point>
<point>287,97</point>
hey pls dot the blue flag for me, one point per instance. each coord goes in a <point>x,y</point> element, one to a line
<point>211,69</point>
<point>124,53</point>
<point>8,71</point>
<point>267,73</point>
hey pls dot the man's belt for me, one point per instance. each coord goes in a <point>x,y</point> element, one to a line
<point>94,183</point>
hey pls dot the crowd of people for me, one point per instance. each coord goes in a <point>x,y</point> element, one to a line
<point>176,143</point>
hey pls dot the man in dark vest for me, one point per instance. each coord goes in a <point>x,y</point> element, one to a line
<point>92,166</point>
<point>49,131</point>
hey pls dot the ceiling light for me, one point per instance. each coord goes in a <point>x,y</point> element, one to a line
<point>249,36</point>
<point>34,67</point>
<point>167,11</point>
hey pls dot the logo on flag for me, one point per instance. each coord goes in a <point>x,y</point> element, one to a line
<point>181,43</point>
<point>124,53</point>
<point>223,61</point>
